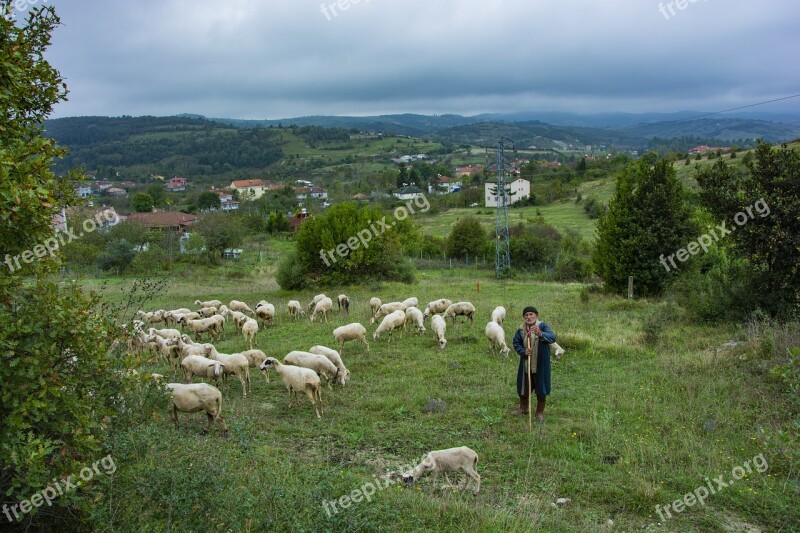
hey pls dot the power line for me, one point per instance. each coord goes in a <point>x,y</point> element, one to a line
<point>732,109</point>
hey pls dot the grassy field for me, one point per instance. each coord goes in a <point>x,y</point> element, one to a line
<point>627,427</point>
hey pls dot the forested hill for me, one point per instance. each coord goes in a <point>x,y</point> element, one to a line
<point>178,145</point>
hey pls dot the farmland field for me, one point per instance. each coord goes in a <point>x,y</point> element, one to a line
<point>627,427</point>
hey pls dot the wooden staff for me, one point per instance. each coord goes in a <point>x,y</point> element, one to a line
<point>532,343</point>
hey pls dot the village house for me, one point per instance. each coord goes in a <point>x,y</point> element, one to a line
<point>518,190</point>
<point>176,184</point>
<point>165,220</point>
<point>469,170</point>
<point>410,192</point>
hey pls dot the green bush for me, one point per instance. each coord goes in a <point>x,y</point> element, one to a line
<point>290,275</point>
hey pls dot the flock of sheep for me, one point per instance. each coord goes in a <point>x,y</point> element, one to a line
<point>301,371</point>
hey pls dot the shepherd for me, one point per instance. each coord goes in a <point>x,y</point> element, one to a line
<point>532,342</point>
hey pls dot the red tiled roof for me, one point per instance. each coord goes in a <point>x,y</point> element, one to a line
<point>164,219</point>
<point>244,184</point>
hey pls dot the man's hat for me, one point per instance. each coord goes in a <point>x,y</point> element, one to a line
<point>530,309</point>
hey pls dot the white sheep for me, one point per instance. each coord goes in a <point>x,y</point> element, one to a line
<point>297,379</point>
<point>436,306</point>
<point>391,322</point>
<point>255,358</point>
<point>236,316</point>
<point>171,316</point>
<point>385,309</point>
<point>334,357</point>
<point>451,460</point>
<point>414,316</point>
<point>350,332</point>
<point>499,314</point>
<point>174,318</point>
<point>188,347</point>
<point>168,349</point>
<point>220,320</point>
<point>318,363</point>
<point>249,330</point>
<point>343,302</point>
<point>206,312</point>
<point>196,397</point>
<point>497,338</point>
<point>411,302</point>
<point>197,365</point>
<point>152,317</point>
<point>165,333</point>
<point>314,302</point>
<point>233,364</point>
<point>295,309</point>
<point>439,327</point>
<point>200,326</point>
<point>461,308</point>
<point>265,312</point>
<point>209,303</point>
<point>236,305</point>
<point>374,304</point>
<point>323,307</point>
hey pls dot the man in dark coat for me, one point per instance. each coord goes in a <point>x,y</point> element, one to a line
<point>528,333</point>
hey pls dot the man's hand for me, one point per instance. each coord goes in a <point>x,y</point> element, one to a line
<point>528,351</point>
<point>536,331</point>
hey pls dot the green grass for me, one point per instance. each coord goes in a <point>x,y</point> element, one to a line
<point>646,409</point>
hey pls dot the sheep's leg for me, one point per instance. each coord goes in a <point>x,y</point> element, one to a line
<point>312,394</point>
<point>209,421</point>
<point>244,384</point>
<point>471,473</point>
<point>222,423</point>
<point>175,415</point>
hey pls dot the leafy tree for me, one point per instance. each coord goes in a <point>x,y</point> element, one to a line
<point>647,218</point>
<point>208,200</point>
<point>132,231</point>
<point>142,202</point>
<point>466,238</point>
<point>117,256</point>
<point>761,204</point>
<point>277,223</point>
<point>220,231</point>
<point>581,167</point>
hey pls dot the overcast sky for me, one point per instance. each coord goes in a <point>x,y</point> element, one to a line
<point>285,58</point>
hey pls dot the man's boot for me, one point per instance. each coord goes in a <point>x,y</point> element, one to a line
<point>523,407</point>
<point>540,401</point>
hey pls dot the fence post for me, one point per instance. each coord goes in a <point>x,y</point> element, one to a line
<point>630,287</point>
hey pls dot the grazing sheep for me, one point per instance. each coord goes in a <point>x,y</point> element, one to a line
<point>166,333</point>
<point>314,302</point>
<point>236,305</point>
<point>196,397</point>
<point>171,317</point>
<point>203,325</point>
<point>439,326</point>
<point>206,312</point>
<point>497,338</point>
<point>411,302</point>
<point>414,315</point>
<point>295,309</point>
<point>451,460</point>
<point>168,349</point>
<point>188,347</point>
<point>499,314</point>
<point>323,307</point>
<point>436,306</point>
<point>374,304</point>
<point>391,322</point>
<point>385,309</point>
<point>318,363</point>
<point>210,303</point>
<point>460,308</point>
<point>233,364</point>
<point>334,357</point>
<point>197,365</point>
<point>153,317</point>
<point>220,324</point>
<point>255,358</point>
<point>343,302</point>
<point>297,379</point>
<point>350,332</point>
<point>559,350</point>
<point>249,330</point>
<point>237,317</point>
<point>265,312</point>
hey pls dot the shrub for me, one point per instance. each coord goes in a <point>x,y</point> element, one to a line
<point>290,275</point>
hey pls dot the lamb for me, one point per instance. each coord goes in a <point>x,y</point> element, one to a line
<point>460,308</point>
<point>499,314</point>
<point>206,312</point>
<point>249,330</point>
<point>334,357</point>
<point>343,302</point>
<point>323,307</point>
<point>497,338</point>
<point>439,326</point>
<point>295,309</point>
<point>411,302</point>
<point>374,304</point>
<point>297,379</point>
<point>436,306</point>
<point>236,305</point>
<point>385,309</point>
<point>203,325</point>
<point>450,460</point>
<point>255,358</point>
<point>414,315</point>
<point>196,397</point>
<point>265,312</point>
<point>197,365</point>
<point>350,332</point>
<point>392,321</point>
<point>209,303</point>
<point>236,364</point>
<point>318,363</point>
<point>314,302</point>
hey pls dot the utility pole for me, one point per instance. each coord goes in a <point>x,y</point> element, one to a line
<point>502,262</point>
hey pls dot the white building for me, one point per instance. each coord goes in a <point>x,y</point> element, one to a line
<point>518,190</point>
